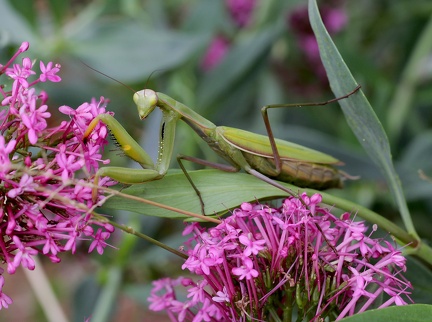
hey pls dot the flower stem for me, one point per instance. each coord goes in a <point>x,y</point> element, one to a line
<point>132,231</point>
<point>156,204</point>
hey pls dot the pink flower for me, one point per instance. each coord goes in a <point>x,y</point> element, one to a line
<point>25,184</point>
<point>246,270</point>
<point>99,241</point>
<point>252,247</point>
<point>5,300</point>
<point>32,116</point>
<point>222,296</point>
<point>23,255</point>
<point>49,73</point>
<point>5,151</point>
<point>46,198</point>
<point>255,257</point>
<point>215,53</point>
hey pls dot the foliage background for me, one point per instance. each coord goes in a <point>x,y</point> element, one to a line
<point>161,44</point>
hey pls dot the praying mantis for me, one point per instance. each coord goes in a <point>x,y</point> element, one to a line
<point>264,157</point>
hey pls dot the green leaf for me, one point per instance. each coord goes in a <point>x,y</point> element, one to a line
<point>220,191</point>
<point>107,299</point>
<point>358,112</point>
<point>416,155</point>
<point>85,297</point>
<point>407,313</point>
<point>13,25</point>
<point>59,11</point>
<point>26,9</point>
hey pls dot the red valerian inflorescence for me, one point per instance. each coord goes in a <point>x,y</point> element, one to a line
<point>266,264</point>
<point>215,53</point>
<point>45,172</point>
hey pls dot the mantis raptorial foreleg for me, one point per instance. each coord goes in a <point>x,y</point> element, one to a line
<point>134,151</point>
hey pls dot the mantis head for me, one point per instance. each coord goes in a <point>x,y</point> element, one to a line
<point>146,101</point>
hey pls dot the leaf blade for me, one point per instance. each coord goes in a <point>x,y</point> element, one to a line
<point>407,313</point>
<point>220,191</point>
<point>358,112</point>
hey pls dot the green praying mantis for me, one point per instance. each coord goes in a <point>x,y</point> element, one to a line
<point>264,157</point>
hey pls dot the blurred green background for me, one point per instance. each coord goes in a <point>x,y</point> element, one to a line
<point>226,59</point>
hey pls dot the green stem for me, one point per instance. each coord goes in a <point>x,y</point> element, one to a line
<point>132,231</point>
<point>396,188</point>
<point>424,252</point>
<point>156,204</point>
<point>108,296</point>
<point>112,284</point>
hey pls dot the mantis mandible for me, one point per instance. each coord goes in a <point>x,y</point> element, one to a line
<point>264,157</point>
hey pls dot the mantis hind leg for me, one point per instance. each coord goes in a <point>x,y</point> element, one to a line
<point>274,183</point>
<point>219,166</point>
<point>276,156</point>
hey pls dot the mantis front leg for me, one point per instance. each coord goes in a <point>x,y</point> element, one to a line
<point>134,151</point>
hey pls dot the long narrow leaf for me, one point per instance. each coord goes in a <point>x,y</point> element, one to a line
<point>222,191</point>
<point>406,313</point>
<point>219,190</point>
<point>358,112</point>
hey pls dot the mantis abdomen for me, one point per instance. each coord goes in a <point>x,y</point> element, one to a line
<point>299,173</point>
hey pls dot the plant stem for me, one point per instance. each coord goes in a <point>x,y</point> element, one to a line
<point>132,231</point>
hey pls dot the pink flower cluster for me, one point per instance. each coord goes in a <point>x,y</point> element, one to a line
<point>264,264</point>
<point>45,172</point>
<point>215,53</point>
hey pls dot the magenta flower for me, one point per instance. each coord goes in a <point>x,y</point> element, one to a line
<point>215,53</point>
<point>99,241</point>
<point>5,300</point>
<point>46,196</point>
<point>49,73</point>
<point>263,263</point>
<point>252,247</point>
<point>246,270</point>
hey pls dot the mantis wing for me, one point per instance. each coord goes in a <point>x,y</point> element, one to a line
<point>258,144</point>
